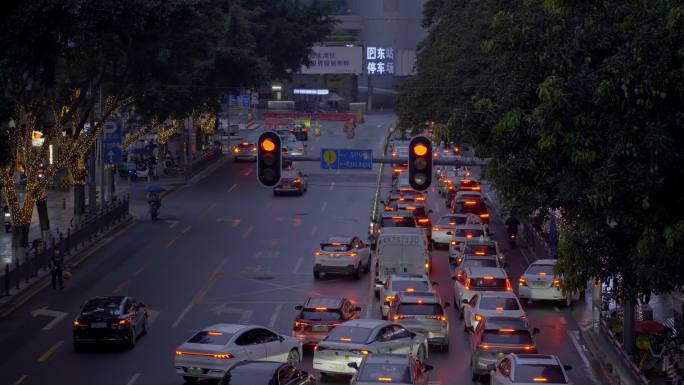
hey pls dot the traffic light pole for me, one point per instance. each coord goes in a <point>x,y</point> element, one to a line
<point>389,160</point>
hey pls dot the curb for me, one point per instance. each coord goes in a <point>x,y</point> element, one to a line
<point>44,280</point>
<point>602,362</point>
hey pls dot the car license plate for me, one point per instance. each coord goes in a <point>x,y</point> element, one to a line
<point>539,283</point>
<point>319,328</point>
<point>98,325</point>
<point>195,370</point>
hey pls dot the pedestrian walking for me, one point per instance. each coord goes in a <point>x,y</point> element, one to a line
<point>57,270</point>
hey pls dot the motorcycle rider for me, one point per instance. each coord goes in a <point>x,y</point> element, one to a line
<point>154,201</point>
<point>512,224</point>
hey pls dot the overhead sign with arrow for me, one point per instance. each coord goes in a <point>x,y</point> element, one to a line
<point>113,134</point>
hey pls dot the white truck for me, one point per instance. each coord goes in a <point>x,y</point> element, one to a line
<point>401,250</point>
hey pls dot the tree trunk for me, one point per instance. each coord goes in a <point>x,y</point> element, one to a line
<point>19,242</point>
<point>79,200</point>
<point>628,334</point>
<point>44,220</point>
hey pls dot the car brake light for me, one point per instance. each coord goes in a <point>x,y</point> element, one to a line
<point>540,379</point>
<point>484,215</point>
<point>297,181</point>
<point>400,317</point>
<point>476,188</point>
<point>423,220</point>
<point>458,275</point>
<point>436,228</point>
<point>253,149</point>
<point>484,346</point>
<point>470,203</point>
<point>556,283</point>
<point>236,150</point>
<point>385,379</point>
<point>427,265</point>
<point>122,322</point>
<point>362,351</point>
<point>352,254</point>
<point>478,317</point>
<point>488,278</point>
<point>453,243</point>
<point>522,281</point>
<point>479,253</point>
<point>321,308</point>
<point>215,333</point>
<point>221,356</point>
<point>297,324</point>
<point>410,290</point>
<point>499,309</point>
<point>345,339</point>
<point>469,236</point>
<point>389,298</point>
<point>467,285</point>
<point>318,253</point>
<point>508,285</point>
<point>420,198</point>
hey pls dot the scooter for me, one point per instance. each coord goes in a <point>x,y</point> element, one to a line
<point>154,210</point>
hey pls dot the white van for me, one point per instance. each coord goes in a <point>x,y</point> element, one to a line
<point>401,250</point>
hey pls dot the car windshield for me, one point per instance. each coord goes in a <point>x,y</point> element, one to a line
<point>102,307</point>
<point>539,373</point>
<point>384,373</point>
<point>541,269</point>
<point>335,246</point>
<point>321,315</point>
<point>504,337</point>
<point>480,249</point>
<point>494,303</point>
<point>419,309</point>
<point>479,262</point>
<point>469,233</point>
<point>488,283</point>
<point>451,220</point>
<point>210,338</point>
<point>351,334</point>
<point>406,285</point>
<point>398,222</point>
<point>466,207</point>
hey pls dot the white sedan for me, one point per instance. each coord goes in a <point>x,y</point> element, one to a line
<point>352,340</point>
<point>539,282</point>
<point>491,304</point>
<point>212,351</point>
<point>528,369</point>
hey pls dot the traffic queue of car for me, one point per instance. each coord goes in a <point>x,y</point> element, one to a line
<point>414,318</point>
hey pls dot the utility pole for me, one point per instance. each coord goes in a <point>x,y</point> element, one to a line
<point>101,157</point>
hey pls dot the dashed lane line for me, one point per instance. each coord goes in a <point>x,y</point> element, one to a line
<point>332,185</point>
<point>169,243</point>
<point>297,265</point>
<point>185,230</point>
<point>133,379</point>
<point>232,187</point>
<point>313,231</point>
<point>20,380</point>
<point>50,351</point>
<point>246,234</point>
<point>181,316</point>
<point>121,287</point>
<point>274,316</point>
<point>325,205</point>
<point>201,293</point>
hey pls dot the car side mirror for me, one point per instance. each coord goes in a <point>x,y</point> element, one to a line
<point>491,366</point>
<point>299,307</point>
<point>535,331</point>
<point>567,367</point>
<point>353,365</point>
<point>428,368</point>
<point>465,301</point>
<point>413,335</point>
<point>430,211</point>
<point>447,304</point>
<point>357,308</point>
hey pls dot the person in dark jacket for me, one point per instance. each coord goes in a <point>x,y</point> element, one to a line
<point>57,270</point>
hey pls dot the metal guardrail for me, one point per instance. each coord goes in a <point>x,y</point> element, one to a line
<point>76,237</point>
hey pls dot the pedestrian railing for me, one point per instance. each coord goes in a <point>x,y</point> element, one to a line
<point>77,236</point>
<point>207,158</point>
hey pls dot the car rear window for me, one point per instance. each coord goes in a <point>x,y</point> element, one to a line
<point>210,338</point>
<point>419,309</point>
<point>538,268</point>
<point>399,222</point>
<point>384,373</point>
<point>245,145</point>
<point>318,315</point>
<point>472,233</point>
<point>479,262</point>
<point>542,373</point>
<point>102,307</point>
<point>335,247</point>
<point>405,285</point>
<point>493,303</point>
<point>446,221</point>
<point>349,334</point>
<point>465,207</point>
<point>498,337</point>
<point>488,283</point>
<point>480,249</point>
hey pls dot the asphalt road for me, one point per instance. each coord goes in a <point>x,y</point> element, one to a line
<point>226,250</point>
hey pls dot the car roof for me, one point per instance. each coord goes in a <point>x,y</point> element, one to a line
<point>408,277</point>
<point>487,271</point>
<point>399,213</point>
<point>411,204</point>
<point>478,241</point>
<point>496,294</point>
<point>402,231</point>
<point>475,256</point>
<point>227,328</point>
<point>106,299</point>
<point>366,323</point>
<point>412,297</point>
<point>469,227</point>
<point>505,323</point>
<point>330,303</point>
<point>545,262</point>
<point>536,359</point>
<point>290,173</point>
<point>344,239</point>
<point>396,359</point>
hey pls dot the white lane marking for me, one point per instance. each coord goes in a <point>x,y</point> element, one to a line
<point>185,230</point>
<point>556,309</point>
<point>133,379</point>
<point>248,232</point>
<point>574,337</point>
<point>325,204</point>
<point>152,315</point>
<point>245,315</point>
<point>232,187</point>
<point>140,270</point>
<point>313,231</point>
<point>172,223</point>
<point>44,311</point>
<point>212,205</point>
<point>332,186</point>
<point>181,316</point>
<point>274,316</point>
<point>297,265</point>
<point>21,379</point>
<point>563,321</point>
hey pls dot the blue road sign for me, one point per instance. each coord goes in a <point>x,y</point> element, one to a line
<point>113,131</point>
<point>346,159</point>
<point>246,101</point>
<point>112,153</point>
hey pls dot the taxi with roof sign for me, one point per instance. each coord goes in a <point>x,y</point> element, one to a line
<point>529,369</point>
<point>319,315</point>
<point>424,313</point>
<point>342,255</point>
<point>478,279</point>
<point>464,233</point>
<point>539,282</point>
<point>397,283</point>
<point>479,246</point>
<point>390,369</point>
<point>491,304</point>
<point>245,151</point>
